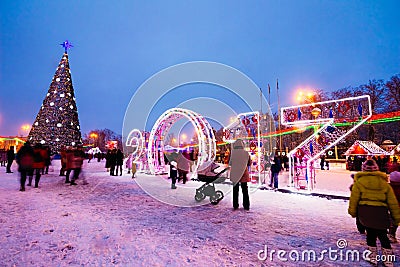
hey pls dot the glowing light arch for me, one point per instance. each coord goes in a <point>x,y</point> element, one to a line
<point>204,131</point>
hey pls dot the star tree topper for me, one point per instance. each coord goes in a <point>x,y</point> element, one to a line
<point>67,45</point>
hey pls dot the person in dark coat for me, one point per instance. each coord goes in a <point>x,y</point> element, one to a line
<point>25,162</point>
<point>275,169</point>
<point>3,157</point>
<point>90,156</point>
<point>108,160</point>
<point>10,158</point>
<point>322,162</point>
<point>173,174</point>
<point>47,160</point>
<point>183,162</point>
<point>39,157</point>
<point>286,162</point>
<point>239,174</point>
<point>119,161</point>
<point>113,161</point>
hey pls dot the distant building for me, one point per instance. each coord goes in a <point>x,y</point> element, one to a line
<point>7,141</point>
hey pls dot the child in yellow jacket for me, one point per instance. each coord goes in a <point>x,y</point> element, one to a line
<point>371,198</point>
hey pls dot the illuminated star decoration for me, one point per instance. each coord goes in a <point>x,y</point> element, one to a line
<point>67,45</point>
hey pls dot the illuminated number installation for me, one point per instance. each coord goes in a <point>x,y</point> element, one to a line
<point>327,116</point>
<point>136,141</point>
<point>204,131</point>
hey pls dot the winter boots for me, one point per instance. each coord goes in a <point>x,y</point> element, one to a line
<point>372,257</point>
<point>30,178</point>
<point>387,257</point>
<point>37,179</point>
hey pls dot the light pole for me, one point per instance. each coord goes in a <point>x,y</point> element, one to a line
<point>279,115</point>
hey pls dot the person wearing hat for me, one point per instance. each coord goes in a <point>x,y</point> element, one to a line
<point>371,199</point>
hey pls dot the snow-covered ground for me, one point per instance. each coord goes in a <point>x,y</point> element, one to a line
<point>111,221</point>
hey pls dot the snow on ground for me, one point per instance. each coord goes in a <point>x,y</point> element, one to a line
<point>111,221</point>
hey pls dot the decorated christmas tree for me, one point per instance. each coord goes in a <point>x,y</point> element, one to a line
<point>57,122</point>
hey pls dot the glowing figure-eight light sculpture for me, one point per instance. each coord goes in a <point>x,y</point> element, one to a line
<point>204,131</point>
<point>329,115</point>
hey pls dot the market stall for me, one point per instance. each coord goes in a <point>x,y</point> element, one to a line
<point>359,152</point>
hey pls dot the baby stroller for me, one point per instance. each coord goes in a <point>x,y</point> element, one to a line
<point>210,178</point>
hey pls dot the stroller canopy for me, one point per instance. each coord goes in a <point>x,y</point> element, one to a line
<point>207,168</point>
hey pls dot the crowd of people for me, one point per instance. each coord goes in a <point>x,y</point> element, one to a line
<point>374,199</point>
<point>32,161</point>
<point>114,161</point>
<point>354,163</point>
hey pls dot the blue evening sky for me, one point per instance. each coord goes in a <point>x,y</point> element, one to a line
<point>119,44</point>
